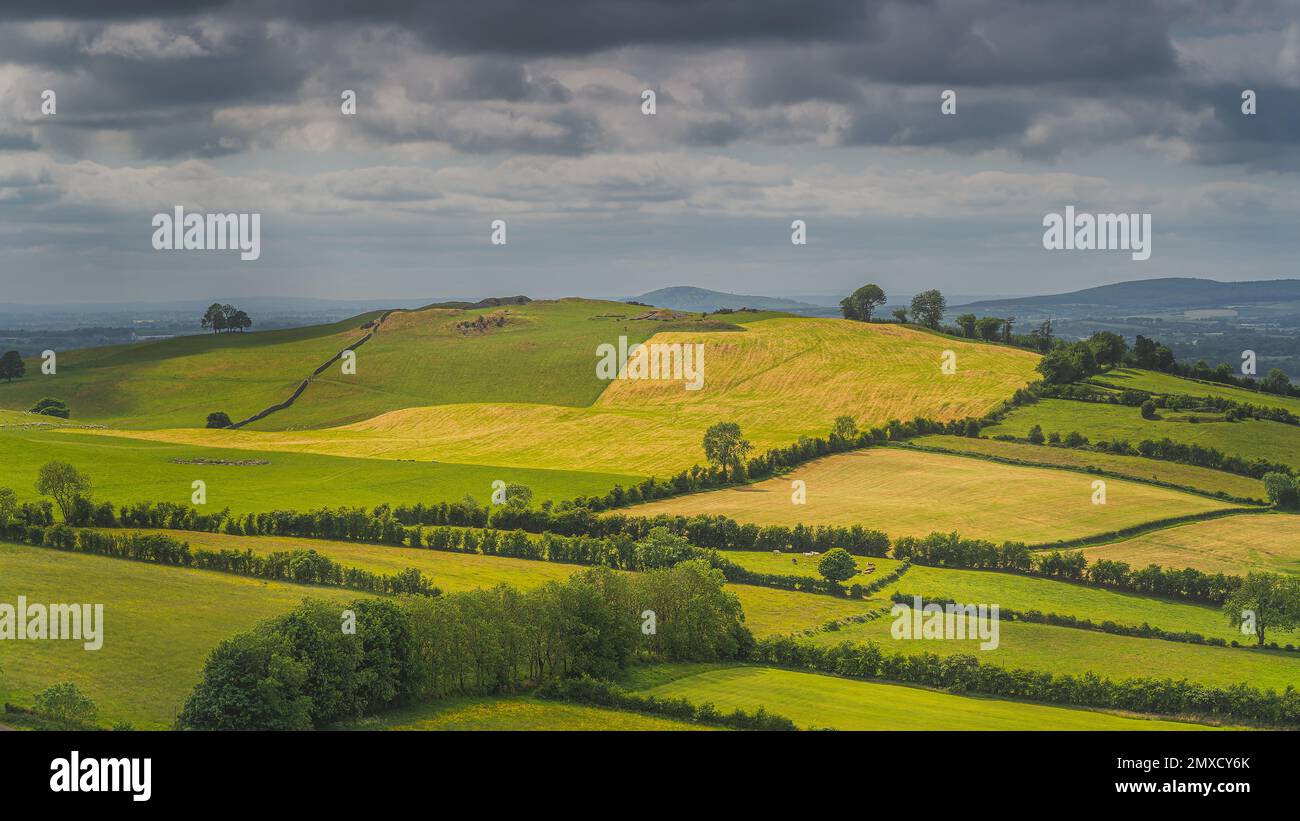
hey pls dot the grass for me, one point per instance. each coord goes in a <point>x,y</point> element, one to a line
<point>1249,439</point>
<point>780,378</point>
<point>912,493</point>
<point>515,713</point>
<point>127,470</point>
<point>1233,545</point>
<point>796,564</point>
<point>160,624</point>
<point>179,381</point>
<point>1018,592</point>
<point>767,612</point>
<point>1156,382</point>
<point>1136,467</point>
<point>818,701</point>
<point>1068,650</point>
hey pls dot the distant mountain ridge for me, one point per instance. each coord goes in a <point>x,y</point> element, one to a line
<point>689,298</point>
<point>1168,292</point>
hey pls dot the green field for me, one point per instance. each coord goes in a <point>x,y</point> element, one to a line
<point>1017,592</point>
<point>819,368</point>
<point>1163,383</point>
<point>1232,545</point>
<point>1068,650</point>
<point>160,623</point>
<point>1250,439</point>
<point>1136,467</point>
<point>179,381</point>
<point>796,564</point>
<point>767,612</point>
<point>127,470</point>
<point>515,713</point>
<point>817,701</point>
<point>912,493</point>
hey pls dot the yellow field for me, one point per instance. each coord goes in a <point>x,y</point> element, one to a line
<point>912,493</point>
<point>1234,545</point>
<point>780,379</point>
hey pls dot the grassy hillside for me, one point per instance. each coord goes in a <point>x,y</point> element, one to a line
<point>178,382</point>
<point>1067,650</point>
<point>1234,545</point>
<point>1250,439</point>
<point>1136,467</point>
<point>817,701</point>
<point>910,493</point>
<point>1156,382</point>
<point>779,378</point>
<point>160,623</point>
<point>128,470</point>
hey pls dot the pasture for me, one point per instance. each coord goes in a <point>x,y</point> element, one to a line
<point>1206,480</point>
<point>1164,383</point>
<point>819,701</point>
<point>1233,545</point>
<point>911,493</point>
<point>160,624</point>
<point>1068,650</point>
<point>132,470</point>
<point>1249,439</point>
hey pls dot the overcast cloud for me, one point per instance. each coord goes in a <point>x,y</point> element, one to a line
<point>531,112</point>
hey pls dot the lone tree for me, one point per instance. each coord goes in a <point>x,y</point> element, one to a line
<point>837,565</point>
<point>928,307</point>
<point>64,482</point>
<point>11,366</point>
<point>1264,601</point>
<point>219,419</point>
<point>846,428</point>
<point>49,406</point>
<point>225,318</point>
<point>724,446</point>
<point>1148,409</point>
<point>860,304</point>
<point>967,323</point>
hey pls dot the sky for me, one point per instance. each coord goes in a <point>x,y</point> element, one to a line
<point>470,111</point>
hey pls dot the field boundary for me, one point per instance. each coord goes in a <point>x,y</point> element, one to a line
<point>372,325</point>
<point>1218,496</point>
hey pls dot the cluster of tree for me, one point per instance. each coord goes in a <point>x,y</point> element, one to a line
<point>49,406</point>
<point>1187,583</point>
<point>220,318</point>
<point>596,692</point>
<point>1072,361</point>
<point>301,670</point>
<point>1283,490</point>
<point>964,673</point>
<point>927,307</point>
<point>12,366</point>
<point>950,550</point>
